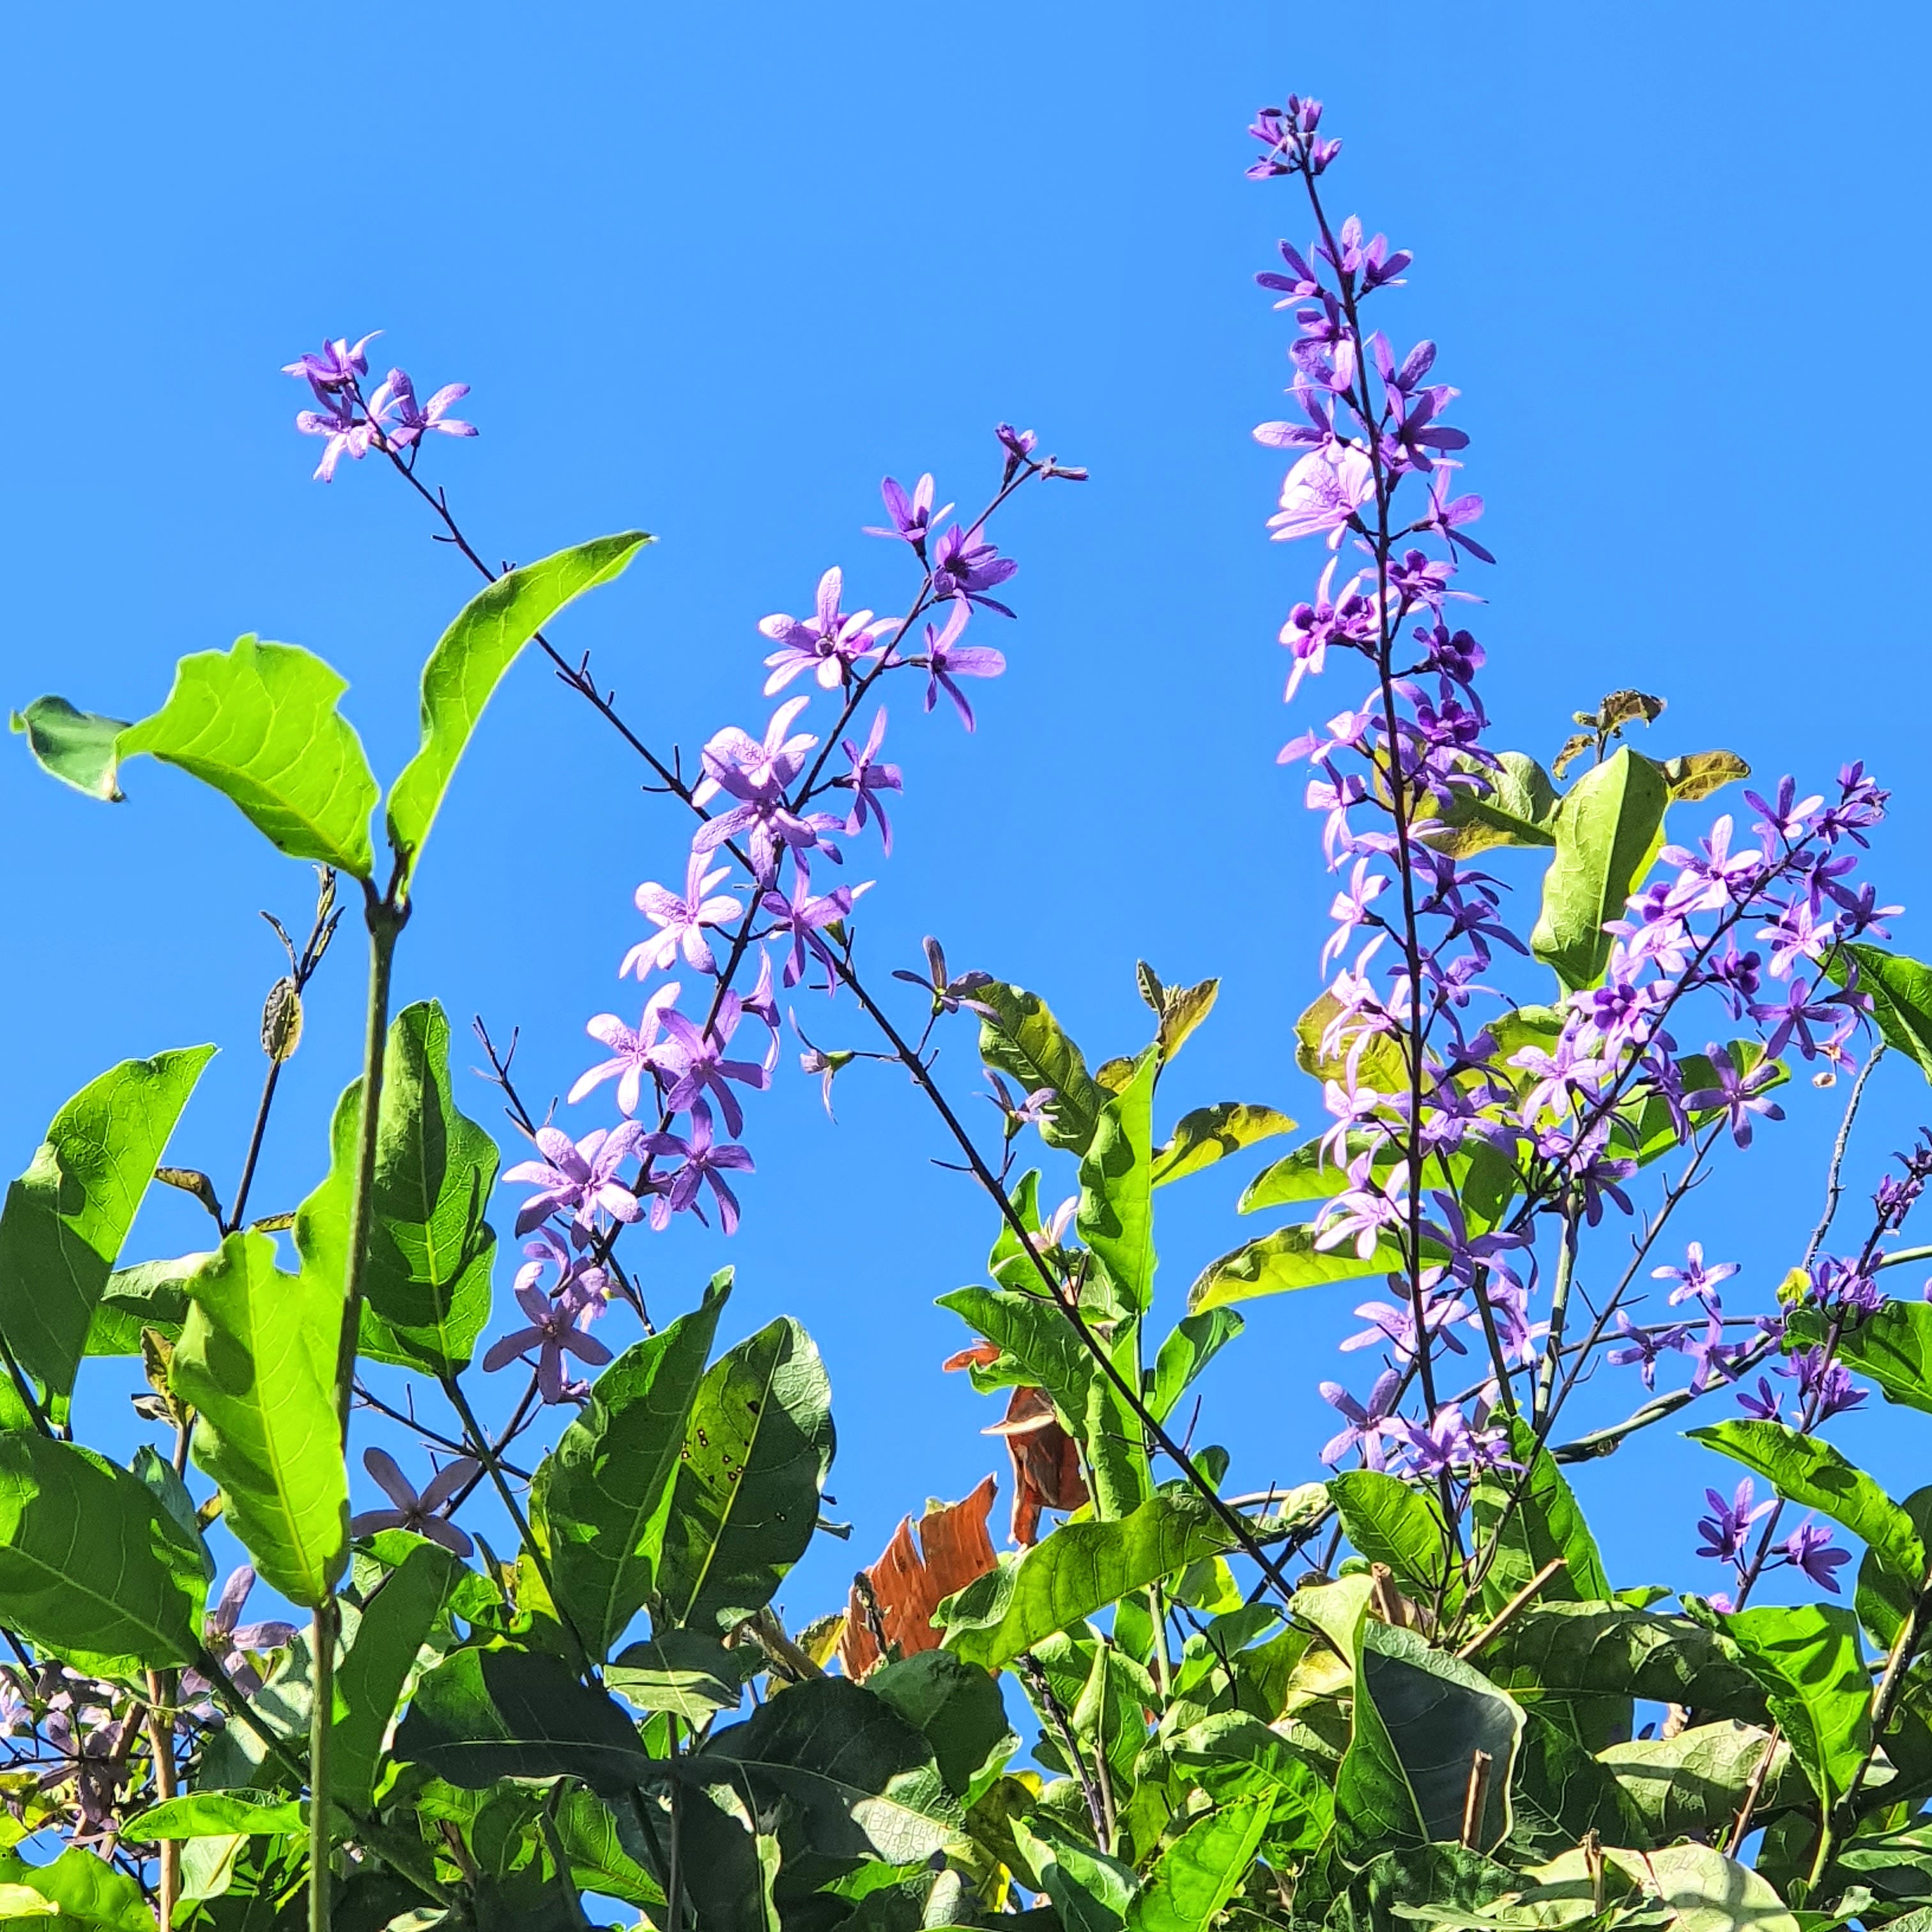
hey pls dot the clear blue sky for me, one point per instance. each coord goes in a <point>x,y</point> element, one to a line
<point>713,272</point>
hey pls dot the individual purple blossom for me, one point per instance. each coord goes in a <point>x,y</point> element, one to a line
<point>1725,1529</point>
<point>1696,1280</point>
<point>422,1514</point>
<point>235,1643</point>
<point>556,1327</point>
<point>633,1050</point>
<point>582,1175</point>
<point>1396,1326</point>
<point>1644,1345</point>
<point>826,1064</point>
<point>681,921</point>
<point>802,918</point>
<point>1825,1387</point>
<point>946,658</point>
<point>949,994</point>
<point>338,367</point>
<point>756,771</point>
<point>829,644</point>
<point>348,433</point>
<point>1788,817</point>
<point>580,1281</point>
<point>1366,1423</point>
<point>695,1063</point>
<point>1808,1548</point>
<point>868,779</point>
<point>1019,445</point>
<point>1447,1442</point>
<point>706,1160</point>
<point>1839,1284</point>
<point>1763,1402</point>
<point>405,420</point>
<point>1322,494</point>
<point>1720,874</point>
<point>912,516</point>
<point>1738,1096</point>
<point>965,566</point>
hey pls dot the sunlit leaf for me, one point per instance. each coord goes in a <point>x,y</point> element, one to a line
<point>1806,1656</point>
<point>469,661</point>
<point>396,1622</point>
<point>1024,1041</point>
<point>1194,1340</point>
<point>1201,1869</point>
<point>1209,1134</point>
<point>1283,1261</point>
<point>1901,992</point>
<point>1116,1214</point>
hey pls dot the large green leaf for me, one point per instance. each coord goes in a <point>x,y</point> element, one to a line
<point>1893,1346</point>
<point>687,1672</point>
<point>91,1893</point>
<point>602,1496</point>
<point>1234,1754</point>
<point>1901,992</point>
<point>150,1294</point>
<point>396,1622</point>
<point>92,1569</point>
<point>1807,1657</point>
<point>257,1358</point>
<point>1885,1599</point>
<point>1040,1349</point>
<point>1564,1650</point>
<point>757,1443</point>
<point>259,723</point>
<point>865,1781</point>
<point>1080,1568</point>
<point>223,1814</point>
<point>1389,1521</point>
<point>66,1217</point>
<point>1606,829</point>
<point>1693,1785</point>
<point>957,1707</point>
<point>1285,1260</point>
<point>1420,1715</point>
<point>469,661</point>
<point>1091,1892</point>
<point>426,1292</point>
<point>484,1714</point>
<point>1514,809</point>
<point>1116,1212</point>
<point>1023,1040</point>
<point>594,1843</point>
<point>1193,1342</point>
<point>1201,1869</point>
<point>1814,1475</point>
<point>1209,1134</point>
<point>1546,1522</point>
<point>1708,1892</point>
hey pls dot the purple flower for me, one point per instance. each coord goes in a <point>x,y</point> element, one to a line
<point>680,921</point>
<point>1718,875</point>
<point>1738,1096</point>
<point>1694,1280</point>
<point>912,517</point>
<point>966,566</point>
<point>867,778</point>
<point>581,1176</point>
<point>949,995</point>
<point>1808,1548</point>
<point>1019,445</point>
<point>405,420</point>
<point>828,643</point>
<point>696,1063</point>
<point>1366,1423</point>
<point>1322,494</point>
<point>756,773</point>
<point>946,658</point>
<point>802,918</point>
<point>1396,1326</point>
<point>235,1642</point>
<point>1448,1442</point>
<point>349,433</point>
<point>554,1327</point>
<point>338,365</point>
<point>704,1160</point>
<point>633,1050</point>
<point>421,1514</point>
<point>1644,1345</point>
<point>1725,1529</point>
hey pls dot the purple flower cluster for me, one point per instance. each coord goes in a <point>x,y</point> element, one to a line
<point>391,419</point>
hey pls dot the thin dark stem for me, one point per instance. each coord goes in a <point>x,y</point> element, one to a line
<point>238,1211</point>
<point>1833,1173</point>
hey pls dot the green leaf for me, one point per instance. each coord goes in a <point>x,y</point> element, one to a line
<point>1708,1892</point>
<point>1606,828</point>
<point>1814,1475</point>
<point>865,1781</point>
<point>1116,1214</point>
<point>1234,1754</point>
<point>1901,992</point>
<point>469,663</point>
<point>1693,1785</point>
<point>1515,809</point>
<point>1209,1134</point>
<point>397,1621</point>
<point>90,1892</point>
<point>1194,1341</point>
<point>150,1294</point>
<point>1421,1716</point>
<point>484,1714</point>
<point>1080,1568</point>
<point>687,1672</point>
<point>757,1446</point>
<point>1563,1650</point>
<point>1040,1349</point>
<point>1884,1599</point>
<point>210,1813</point>
<point>1025,1041</point>
<point>66,1218</point>
<point>593,1843</point>
<point>602,1496</point>
<point>259,723</point>
<point>1201,1869</point>
<point>426,1292</point>
<point>1389,1521</point>
<point>1381,1063</point>
<point>1546,1522</point>
<point>1807,1657</point>
<point>957,1707</point>
<point>1893,1346</point>
<point>1090,1891</point>
<point>1693,776</point>
<point>257,1358</point>
<point>92,1569</point>
<point>1286,1260</point>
